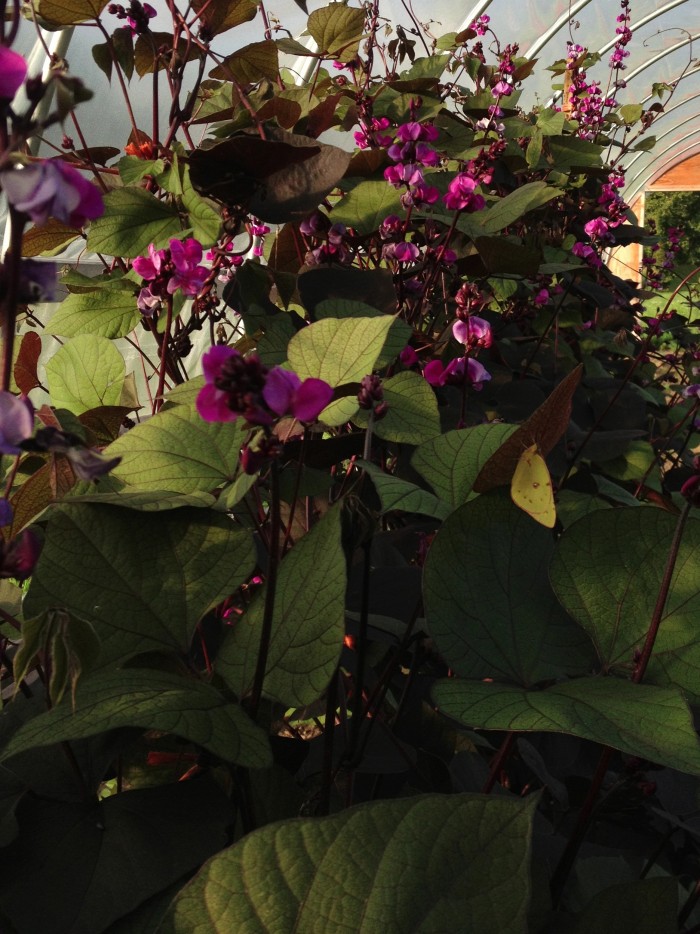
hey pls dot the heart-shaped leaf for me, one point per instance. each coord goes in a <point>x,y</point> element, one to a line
<point>143,580</point>
<point>313,880</point>
<point>488,602</point>
<point>641,720</point>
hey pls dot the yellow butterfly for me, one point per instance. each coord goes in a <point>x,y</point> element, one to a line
<point>531,488</point>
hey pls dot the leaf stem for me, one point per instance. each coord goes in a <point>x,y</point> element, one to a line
<point>268,612</point>
<point>662,597</point>
<point>498,762</point>
<point>9,317</point>
<point>568,858</point>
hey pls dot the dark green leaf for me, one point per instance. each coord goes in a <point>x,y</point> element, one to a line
<point>596,575</point>
<point>143,579</point>
<point>94,862</point>
<point>451,463</point>
<point>488,602</point>
<point>638,719</point>
<point>308,622</point>
<point>151,700</point>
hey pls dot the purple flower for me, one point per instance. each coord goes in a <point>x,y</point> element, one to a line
<point>596,227</point>
<point>169,270</point>
<point>147,302</point>
<point>189,275</point>
<point>408,356</point>
<point>541,298</point>
<point>587,253</point>
<point>16,422</point>
<point>19,556</point>
<point>13,71</point>
<point>473,332</point>
<point>693,390</point>
<point>457,372</point>
<point>150,267</point>
<point>52,188</point>
<point>286,394</point>
<point>241,386</point>
<point>402,252</point>
<point>460,195</point>
<point>398,175</point>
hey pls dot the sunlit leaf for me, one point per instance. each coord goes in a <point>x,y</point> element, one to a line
<point>456,871</point>
<point>451,462</point>
<point>177,451</point>
<point>85,373</point>
<point>640,720</point>
<point>108,313</point>
<point>133,218</point>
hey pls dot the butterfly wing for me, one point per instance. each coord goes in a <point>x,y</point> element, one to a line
<point>531,488</point>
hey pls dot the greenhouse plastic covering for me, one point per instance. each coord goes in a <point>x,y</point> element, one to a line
<point>664,49</point>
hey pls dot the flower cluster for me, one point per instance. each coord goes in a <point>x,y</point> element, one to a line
<point>504,85</point>
<point>137,16</point>
<point>334,249</point>
<point>242,387</point>
<point>624,34</point>
<point>166,271</point>
<point>656,272</point>
<point>51,188</point>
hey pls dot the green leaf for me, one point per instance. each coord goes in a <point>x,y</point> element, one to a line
<point>596,576</point>
<point>85,373</point>
<point>349,308</point>
<point>179,452</point>
<point>314,882</point>
<point>571,152</point>
<point>366,205</point>
<point>308,622</point>
<point>395,493</point>
<point>336,29</point>
<point>551,122</point>
<point>638,719</point>
<point>67,12</point>
<point>150,700</point>
<point>341,351</point>
<point>100,860</point>
<point>132,168</point>
<point>488,602</point>
<point>630,113</point>
<point>220,15</point>
<point>150,501</point>
<point>204,220</point>
<point>452,462</point>
<point>412,416</point>
<point>144,580</point>
<point>132,220</point>
<point>108,313</point>
<point>511,208</point>
<point>250,64</point>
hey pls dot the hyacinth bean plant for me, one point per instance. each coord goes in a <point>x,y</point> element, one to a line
<point>287,641</point>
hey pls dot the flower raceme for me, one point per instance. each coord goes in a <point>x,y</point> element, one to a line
<point>242,387</point>
<point>51,188</point>
<point>169,270</point>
